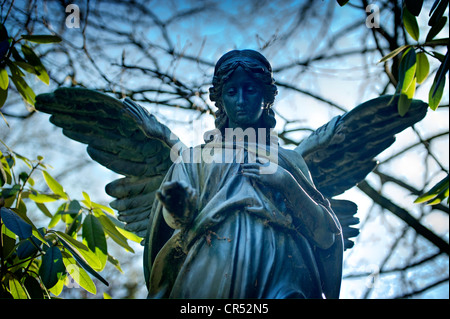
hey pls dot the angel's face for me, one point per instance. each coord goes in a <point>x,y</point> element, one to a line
<point>243,98</point>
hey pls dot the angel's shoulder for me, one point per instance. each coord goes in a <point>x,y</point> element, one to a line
<point>297,160</point>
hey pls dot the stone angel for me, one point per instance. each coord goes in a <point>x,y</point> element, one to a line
<point>238,216</point>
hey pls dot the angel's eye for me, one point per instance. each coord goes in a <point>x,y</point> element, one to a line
<point>251,89</point>
<point>231,91</point>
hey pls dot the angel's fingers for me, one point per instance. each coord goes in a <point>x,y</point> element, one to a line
<point>251,166</point>
<point>171,185</point>
<point>160,197</point>
<point>252,175</point>
<point>254,171</point>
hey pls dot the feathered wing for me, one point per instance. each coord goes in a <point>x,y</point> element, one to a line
<point>342,153</point>
<point>117,141</point>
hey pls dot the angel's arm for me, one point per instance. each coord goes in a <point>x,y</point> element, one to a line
<point>179,202</point>
<point>314,219</point>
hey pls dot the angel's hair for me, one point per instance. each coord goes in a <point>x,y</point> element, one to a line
<point>259,68</point>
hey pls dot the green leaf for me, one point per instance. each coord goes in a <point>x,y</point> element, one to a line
<point>115,263</point>
<point>121,228</point>
<point>8,241</point>
<point>443,70</point>
<point>436,92</point>
<point>24,90</point>
<point>104,208</point>
<point>8,192</point>
<point>80,259</point>
<point>55,220</point>
<point>42,198</point>
<point>52,267</point>
<point>342,2</point>
<point>73,207</point>
<point>87,200</point>
<point>54,185</point>
<point>407,72</point>
<point>36,232</point>
<point>440,197</point>
<point>437,12</point>
<point>440,189</point>
<point>129,235</point>
<point>5,171</point>
<point>15,71</point>
<point>44,209</point>
<point>394,53</point>
<point>115,235</point>
<point>58,287</point>
<point>33,287</point>
<point>26,67</point>
<point>423,67</point>
<point>3,97</point>
<point>17,290</point>
<point>80,249</point>
<point>29,247</point>
<point>4,79</point>
<point>435,29</point>
<point>15,223</point>
<point>73,224</point>
<point>79,275</point>
<point>35,61</point>
<point>404,102</point>
<point>24,159</point>
<point>414,6</point>
<point>410,23</point>
<point>42,38</point>
<point>95,239</point>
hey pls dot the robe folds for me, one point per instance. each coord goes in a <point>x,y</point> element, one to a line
<point>243,241</point>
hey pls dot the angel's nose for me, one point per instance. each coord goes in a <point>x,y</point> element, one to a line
<point>240,98</point>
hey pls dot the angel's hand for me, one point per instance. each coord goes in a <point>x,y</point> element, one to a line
<point>140,115</point>
<point>179,201</point>
<point>277,179</point>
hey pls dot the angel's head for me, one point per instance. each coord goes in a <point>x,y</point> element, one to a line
<point>243,90</point>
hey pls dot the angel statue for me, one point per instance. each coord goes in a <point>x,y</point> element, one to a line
<point>238,216</point>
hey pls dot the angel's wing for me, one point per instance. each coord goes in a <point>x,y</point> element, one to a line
<point>122,136</point>
<point>342,153</point>
<point>347,156</point>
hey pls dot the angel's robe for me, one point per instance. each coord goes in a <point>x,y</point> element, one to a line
<point>243,241</point>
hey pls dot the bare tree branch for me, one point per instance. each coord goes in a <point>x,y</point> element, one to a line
<point>405,216</point>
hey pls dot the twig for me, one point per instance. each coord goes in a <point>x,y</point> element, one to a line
<point>405,216</point>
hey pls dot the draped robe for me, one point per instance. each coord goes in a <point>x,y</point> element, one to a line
<point>243,240</point>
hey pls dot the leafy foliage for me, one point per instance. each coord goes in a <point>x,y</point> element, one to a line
<point>418,69</point>
<point>40,262</point>
<point>436,194</point>
<point>19,62</point>
<point>415,68</point>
